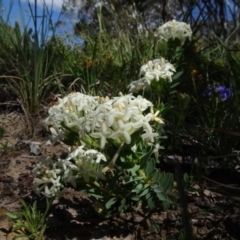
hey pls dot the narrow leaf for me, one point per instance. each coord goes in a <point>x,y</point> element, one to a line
<point>110,202</point>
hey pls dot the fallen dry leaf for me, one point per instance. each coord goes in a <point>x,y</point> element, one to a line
<point>5,222</point>
<point>11,235</point>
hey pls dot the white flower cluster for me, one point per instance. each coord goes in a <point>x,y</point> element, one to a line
<point>120,117</point>
<point>174,29</point>
<point>47,177</point>
<point>86,165</point>
<point>102,118</point>
<point>50,176</point>
<point>153,70</point>
<point>74,111</point>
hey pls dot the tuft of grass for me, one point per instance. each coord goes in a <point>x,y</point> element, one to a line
<point>30,222</point>
<point>6,149</point>
<point>26,63</point>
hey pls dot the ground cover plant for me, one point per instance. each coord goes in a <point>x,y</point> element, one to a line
<point>144,120</point>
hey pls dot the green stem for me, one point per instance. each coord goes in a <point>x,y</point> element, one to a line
<point>112,163</point>
<point>96,184</point>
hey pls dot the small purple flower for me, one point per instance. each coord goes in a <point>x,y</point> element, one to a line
<point>219,88</point>
<point>225,94</point>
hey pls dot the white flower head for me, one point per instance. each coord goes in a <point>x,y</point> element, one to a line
<point>153,70</point>
<point>49,175</point>
<point>138,85</point>
<point>118,118</point>
<point>87,163</point>
<point>174,29</point>
<point>47,179</point>
<point>73,111</point>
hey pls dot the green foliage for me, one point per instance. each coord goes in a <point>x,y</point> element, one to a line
<point>30,222</point>
<point>6,149</point>
<point>132,181</point>
<point>25,62</point>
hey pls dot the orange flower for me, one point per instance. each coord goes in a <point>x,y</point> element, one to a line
<point>194,72</point>
<point>89,63</point>
<point>197,76</point>
<point>109,58</point>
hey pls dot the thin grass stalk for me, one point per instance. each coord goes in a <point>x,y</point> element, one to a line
<point>11,2</point>
<point>35,81</point>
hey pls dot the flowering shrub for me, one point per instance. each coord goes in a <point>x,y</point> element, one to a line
<point>174,29</point>
<point>158,70</point>
<point>113,151</point>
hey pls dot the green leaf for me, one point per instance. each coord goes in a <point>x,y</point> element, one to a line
<point>93,193</point>
<point>23,204</point>
<point>122,205</point>
<point>135,198</point>
<point>157,176</point>
<point>167,182</point>
<point>171,199</point>
<point>155,226</point>
<point>148,195</point>
<point>162,196</point>
<point>11,215</point>
<point>134,169</point>
<point>156,188</point>
<point>110,202</point>
<point>43,230</point>
<point>166,205</point>
<point>150,169</point>
<point>18,226</point>
<point>138,188</point>
<point>96,195</point>
<point>144,192</point>
<point>21,235</point>
<point>131,179</point>
<point>145,158</point>
<point>89,141</point>
<point>34,207</point>
<point>151,203</point>
<point>176,76</point>
<point>172,92</point>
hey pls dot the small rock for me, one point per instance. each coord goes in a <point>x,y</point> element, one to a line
<point>35,148</point>
<point>207,192</point>
<point>129,237</point>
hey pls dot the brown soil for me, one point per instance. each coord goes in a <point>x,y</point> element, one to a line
<point>213,215</point>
